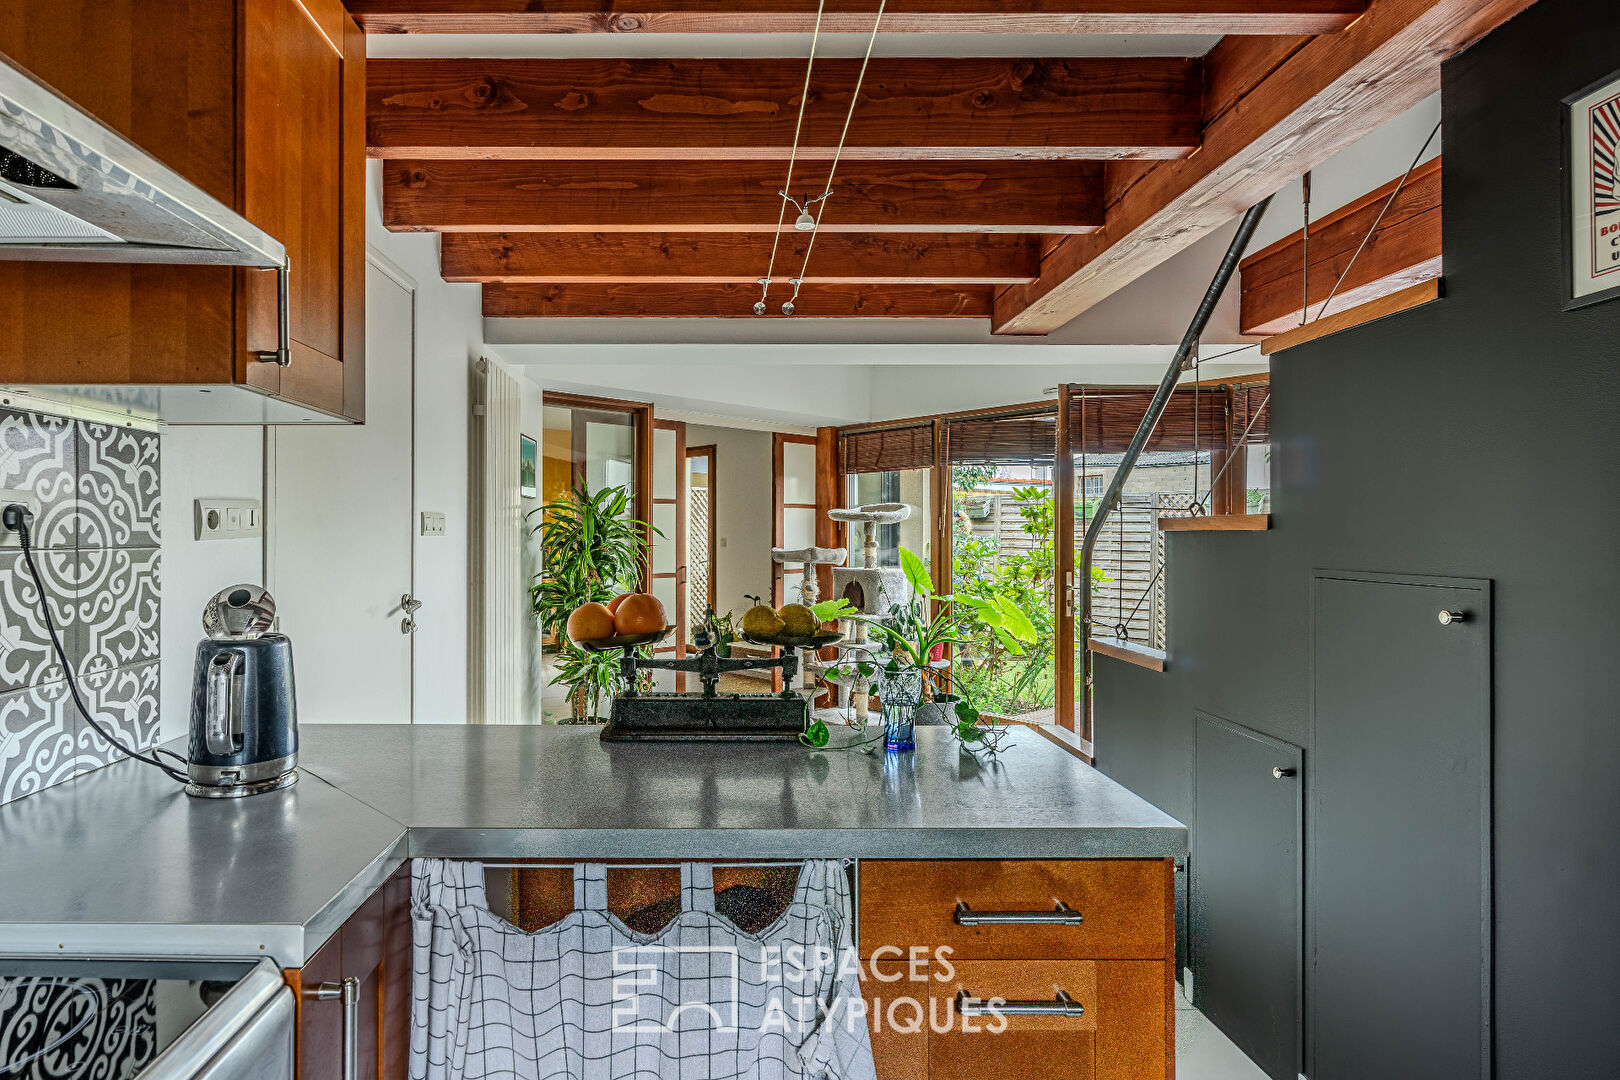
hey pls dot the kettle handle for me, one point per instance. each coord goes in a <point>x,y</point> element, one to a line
<point>218,730</point>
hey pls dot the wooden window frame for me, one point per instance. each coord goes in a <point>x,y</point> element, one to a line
<point>641,414</point>
<point>712,453</point>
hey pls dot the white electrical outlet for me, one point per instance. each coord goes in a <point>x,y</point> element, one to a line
<point>432,523</point>
<point>9,539</point>
<point>227,519</point>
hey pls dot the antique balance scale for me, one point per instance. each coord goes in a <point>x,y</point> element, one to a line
<point>666,716</point>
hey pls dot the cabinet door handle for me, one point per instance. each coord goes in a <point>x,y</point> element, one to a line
<point>1061,915</point>
<point>347,991</point>
<point>1062,1005</point>
<point>283,354</point>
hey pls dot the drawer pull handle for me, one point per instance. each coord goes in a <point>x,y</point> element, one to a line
<point>1062,1005</point>
<point>1061,915</point>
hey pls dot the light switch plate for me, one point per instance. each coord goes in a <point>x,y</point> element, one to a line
<point>227,519</point>
<point>9,539</point>
<point>432,523</point>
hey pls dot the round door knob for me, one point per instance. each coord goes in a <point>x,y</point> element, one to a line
<point>1281,772</point>
<point>1447,618</point>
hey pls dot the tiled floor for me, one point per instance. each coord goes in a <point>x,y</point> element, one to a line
<point>1203,1053</point>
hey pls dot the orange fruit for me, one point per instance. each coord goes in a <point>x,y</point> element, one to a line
<point>590,622</point>
<point>640,613</point>
<point>613,604</point>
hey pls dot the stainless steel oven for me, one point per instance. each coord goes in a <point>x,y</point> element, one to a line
<point>119,1019</point>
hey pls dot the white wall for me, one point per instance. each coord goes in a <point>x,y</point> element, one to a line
<point>200,462</point>
<point>743,526</point>
<point>449,339</point>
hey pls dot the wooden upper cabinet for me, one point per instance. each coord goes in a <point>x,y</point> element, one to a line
<point>262,104</point>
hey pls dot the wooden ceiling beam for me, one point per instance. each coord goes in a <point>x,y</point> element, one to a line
<point>739,196</point>
<point>724,110</point>
<point>734,301</point>
<point>1317,101</point>
<point>855,16</point>
<point>1403,252</point>
<point>653,258</point>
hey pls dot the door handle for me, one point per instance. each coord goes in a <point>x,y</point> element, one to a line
<point>1061,915</point>
<point>409,604</point>
<point>1452,618</point>
<point>1061,1005</point>
<point>347,991</point>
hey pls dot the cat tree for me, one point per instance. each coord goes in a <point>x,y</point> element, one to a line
<point>872,590</point>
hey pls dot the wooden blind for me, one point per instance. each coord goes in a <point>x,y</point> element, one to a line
<point>1003,440</point>
<point>1103,421</point>
<point>1246,406</point>
<point>887,449</point>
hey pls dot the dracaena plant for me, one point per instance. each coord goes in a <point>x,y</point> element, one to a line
<point>591,548</point>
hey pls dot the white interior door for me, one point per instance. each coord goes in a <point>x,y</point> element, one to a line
<point>340,550</point>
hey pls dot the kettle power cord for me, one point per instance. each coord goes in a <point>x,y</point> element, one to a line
<point>19,519</point>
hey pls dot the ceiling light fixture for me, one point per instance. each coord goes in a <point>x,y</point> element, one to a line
<point>820,201</point>
<point>793,155</point>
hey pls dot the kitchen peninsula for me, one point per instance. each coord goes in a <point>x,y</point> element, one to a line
<point>120,861</point>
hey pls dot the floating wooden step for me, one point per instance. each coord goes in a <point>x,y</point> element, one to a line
<point>1217,523</point>
<point>1128,651</point>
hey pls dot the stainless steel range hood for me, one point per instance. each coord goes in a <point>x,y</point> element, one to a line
<point>72,189</point>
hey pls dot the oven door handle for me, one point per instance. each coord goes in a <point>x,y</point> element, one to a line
<point>248,1033</point>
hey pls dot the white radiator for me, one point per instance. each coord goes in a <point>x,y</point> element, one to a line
<point>498,598</point>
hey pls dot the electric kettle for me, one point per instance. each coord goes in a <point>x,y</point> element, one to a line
<point>244,716</point>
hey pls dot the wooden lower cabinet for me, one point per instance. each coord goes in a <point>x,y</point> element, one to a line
<point>1118,964</point>
<point>373,947</point>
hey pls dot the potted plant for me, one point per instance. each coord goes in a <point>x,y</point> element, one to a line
<point>916,678</point>
<point>591,549</point>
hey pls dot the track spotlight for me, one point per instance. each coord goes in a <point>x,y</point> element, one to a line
<point>805,222</point>
<point>759,307</point>
<point>787,307</point>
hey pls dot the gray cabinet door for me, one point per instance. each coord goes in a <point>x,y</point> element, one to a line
<point>1398,872</point>
<point>1245,925</point>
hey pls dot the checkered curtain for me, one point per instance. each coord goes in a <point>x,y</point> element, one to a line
<point>588,998</point>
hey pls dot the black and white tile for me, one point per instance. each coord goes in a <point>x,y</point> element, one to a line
<point>26,655</point>
<point>98,486</point>
<point>125,701</point>
<point>39,454</point>
<point>36,739</point>
<point>118,490</point>
<point>116,607</point>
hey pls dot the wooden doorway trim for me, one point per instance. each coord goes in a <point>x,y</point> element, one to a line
<point>641,420</point>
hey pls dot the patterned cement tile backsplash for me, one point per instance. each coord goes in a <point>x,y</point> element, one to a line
<point>115,615</point>
<point>98,488</point>
<point>117,486</point>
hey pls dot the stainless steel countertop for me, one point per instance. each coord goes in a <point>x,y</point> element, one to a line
<point>120,861</point>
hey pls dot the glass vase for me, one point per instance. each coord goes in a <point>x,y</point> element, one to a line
<point>902,693</point>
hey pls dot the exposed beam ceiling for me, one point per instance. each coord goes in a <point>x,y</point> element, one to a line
<point>910,109</point>
<point>855,16</point>
<point>645,186</point>
<point>733,301</point>
<point>740,196</point>
<point>652,258</point>
<point>1324,96</point>
<point>1404,251</point>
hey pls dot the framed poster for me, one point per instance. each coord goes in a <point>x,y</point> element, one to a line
<point>527,465</point>
<point>1593,134</point>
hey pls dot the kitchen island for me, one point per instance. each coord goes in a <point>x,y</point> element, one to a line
<point>121,862</point>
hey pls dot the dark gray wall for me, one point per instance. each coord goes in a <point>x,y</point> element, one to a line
<point>1475,437</point>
